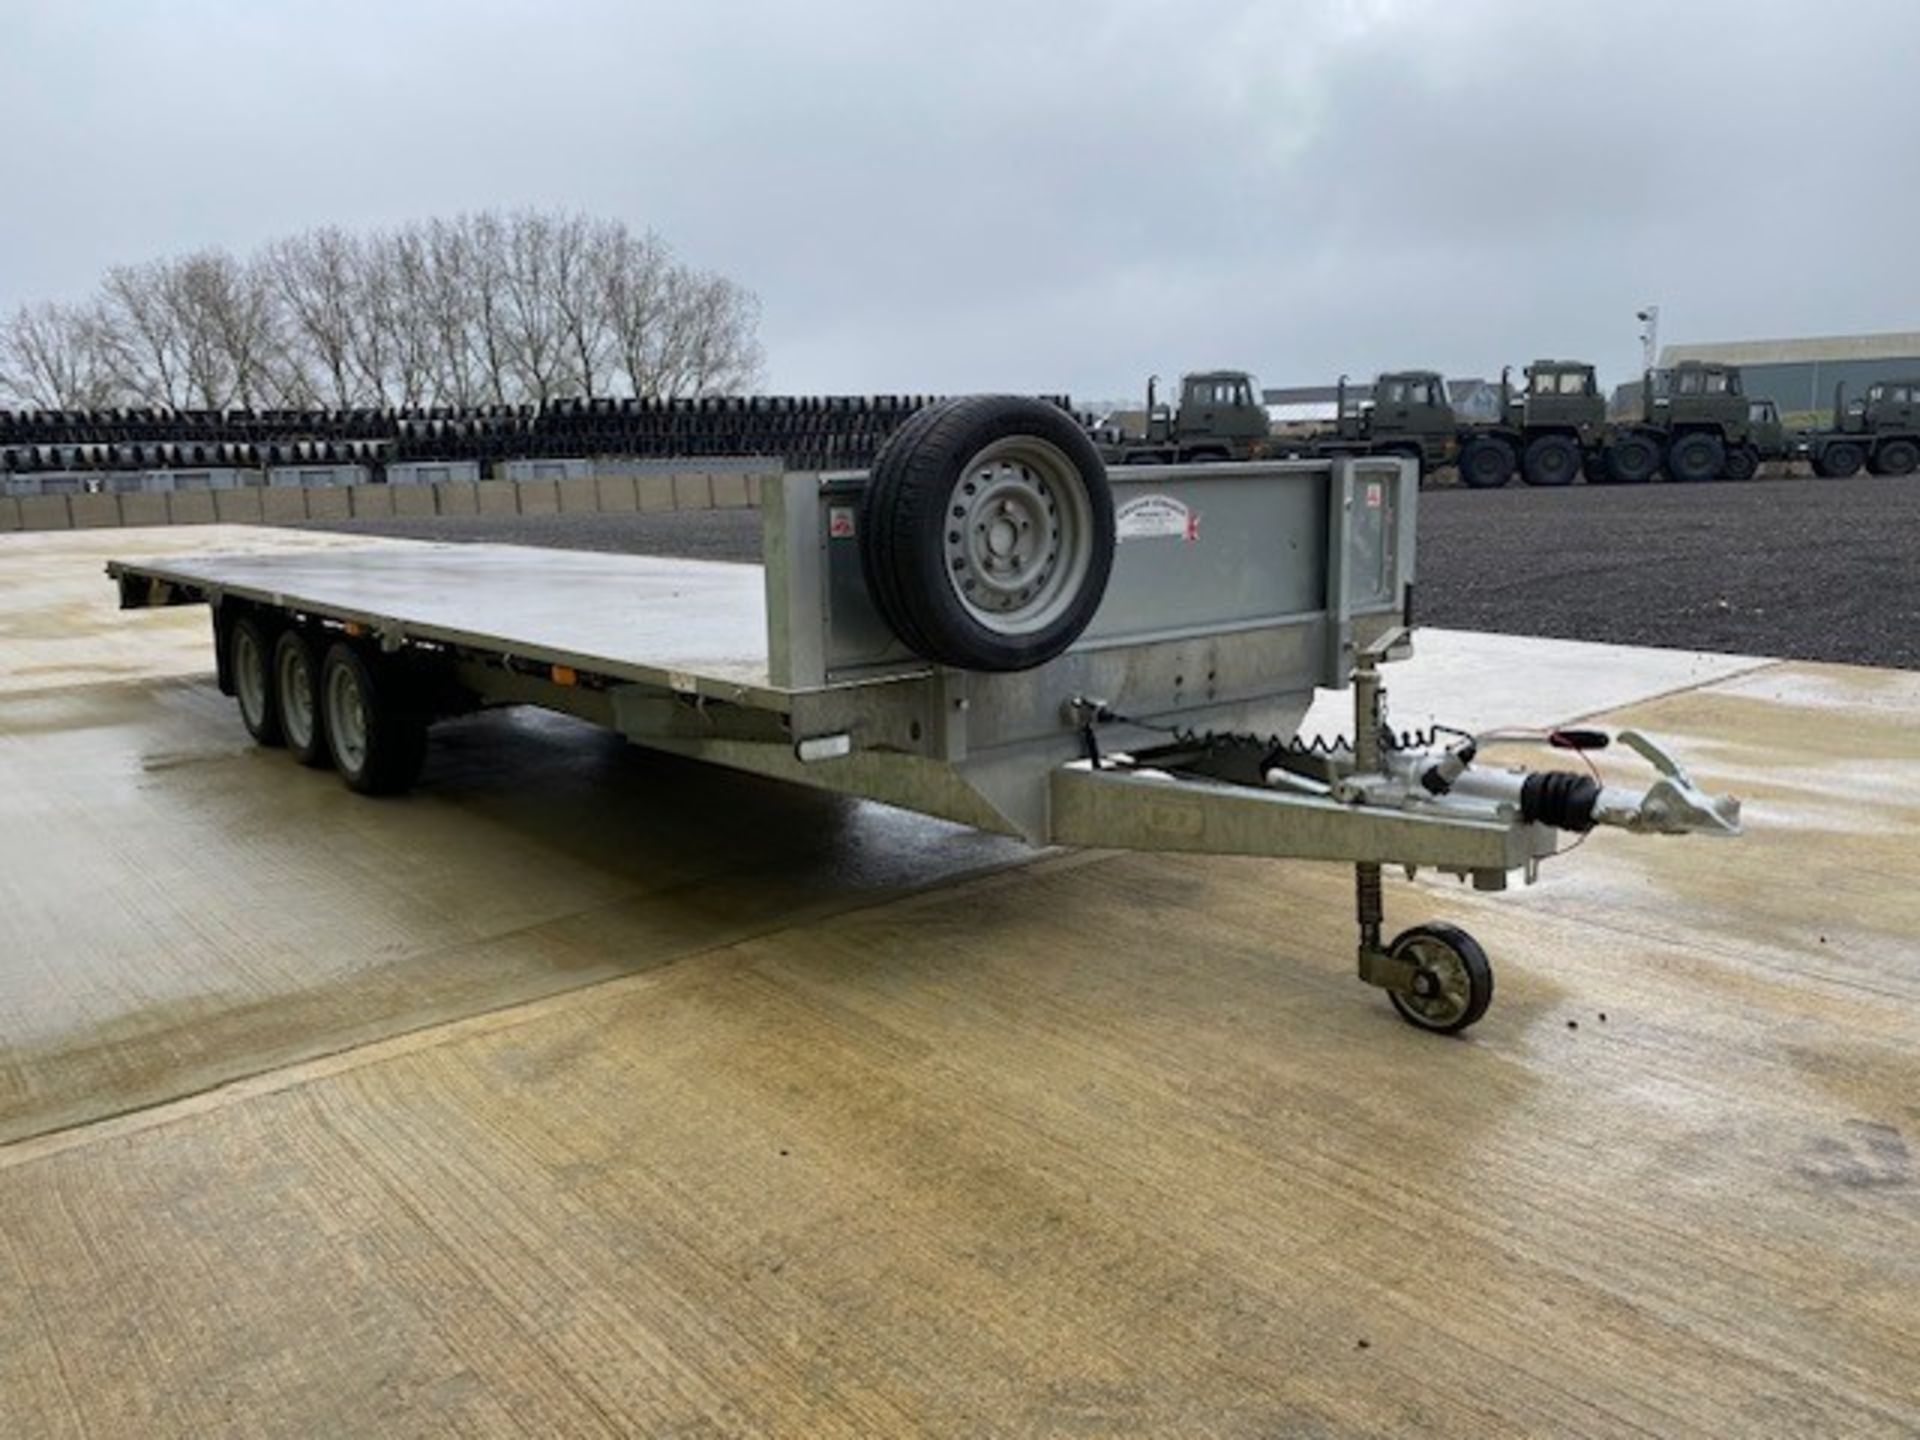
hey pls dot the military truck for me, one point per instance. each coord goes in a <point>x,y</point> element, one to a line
<point>1881,432</point>
<point>1695,424</point>
<point>1219,417</point>
<point>1408,415</point>
<point>1552,429</point>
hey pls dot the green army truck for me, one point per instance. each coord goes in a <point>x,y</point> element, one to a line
<point>1409,415</point>
<point>1552,429</point>
<point>1696,424</point>
<point>1881,433</point>
<point>1219,417</point>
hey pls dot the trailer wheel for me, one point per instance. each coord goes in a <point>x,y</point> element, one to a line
<point>1843,460</point>
<point>1552,460</point>
<point>375,729</point>
<point>1486,463</point>
<point>987,532</point>
<point>1631,460</point>
<point>1897,457</point>
<point>1453,983</point>
<point>296,698</point>
<point>250,663</point>
<point>1696,457</point>
<point>1743,463</point>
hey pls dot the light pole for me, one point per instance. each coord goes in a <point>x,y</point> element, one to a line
<point>1649,335</point>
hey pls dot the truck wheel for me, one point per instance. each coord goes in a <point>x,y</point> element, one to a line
<point>1632,459</point>
<point>375,730</point>
<point>1843,460</point>
<point>1552,460</point>
<point>250,663</point>
<point>1696,457</point>
<point>1743,463</point>
<point>296,698</point>
<point>1593,465</point>
<point>1486,463</point>
<point>1896,457</point>
<point>987,534</point>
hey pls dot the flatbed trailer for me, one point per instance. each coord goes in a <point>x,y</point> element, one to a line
<point>1169,722</point>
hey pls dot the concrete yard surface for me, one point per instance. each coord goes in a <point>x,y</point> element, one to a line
<point>587,1093</point>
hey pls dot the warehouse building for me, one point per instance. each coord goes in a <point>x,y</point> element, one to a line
<point>1799,375</point>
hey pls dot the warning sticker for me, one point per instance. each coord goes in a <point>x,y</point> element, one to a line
<point>1375,495</point>
<point>1149,517</point>
<point>840,522</point>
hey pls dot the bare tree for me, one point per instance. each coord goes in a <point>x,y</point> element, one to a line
<point>492,307</point>
<point>56,357</point>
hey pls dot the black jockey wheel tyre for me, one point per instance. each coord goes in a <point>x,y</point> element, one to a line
<point>375,728</point>
<point>250,667</point>
<point>1552,461</point>
<point>1897,457</point>
<point>1743,463</point>
<point>987,532</point>
<point>1694,458</point>
<point>1632,460</point>
<point>1486,464</point>
<point>1453,980</point>
<point>296,698</point>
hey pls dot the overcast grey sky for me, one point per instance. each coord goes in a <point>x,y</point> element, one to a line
<point>1040,195</point>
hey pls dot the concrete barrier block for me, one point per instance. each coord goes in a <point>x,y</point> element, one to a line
<point>616,494</point>
<point>692,491</point>
<point>456,497</point>
<point>498,497</point>
<point>329,502</point>
<point>579,495</point>
<point>45,512</point>
<point>238,507</point>
<point>371,500</point>
<point>9,513</point>
<point>729,492</point>
<point>190,507</point>
<point>94,512</point>
<point>754,482</point>
<point>411,500</point>
<point>538,497</point>
<point>283,504</point>
<point>140,508</point>
<point>655,492</point>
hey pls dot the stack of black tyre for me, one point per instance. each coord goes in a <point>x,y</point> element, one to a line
<point>804,432</point>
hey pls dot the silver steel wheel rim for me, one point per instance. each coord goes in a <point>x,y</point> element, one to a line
<point>296,697</point>
<point>1018,535</point>
<point>1453,984</point>
<point>346,718</point>
<point>250,675</point>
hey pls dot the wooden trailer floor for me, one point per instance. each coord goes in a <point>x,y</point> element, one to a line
<point>787,1116</point>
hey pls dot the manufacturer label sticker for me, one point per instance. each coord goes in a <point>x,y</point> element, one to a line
<point>840,522</point>
<point>1376,495</point>
<point>1151,517</point>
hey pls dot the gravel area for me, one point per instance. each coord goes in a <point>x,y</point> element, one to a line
<point>1803,569</point>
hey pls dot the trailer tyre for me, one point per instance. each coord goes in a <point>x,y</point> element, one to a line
<point>987,532</point>
<point>1631,460</point>
<point>250,664</point>
<point>1486,463</point>
<point>1552,460</point>
<point>1897,457</point>
<point>1696,457</point>
<point>296,698</point>
<point>1453,980</point>
<point>376,729</point>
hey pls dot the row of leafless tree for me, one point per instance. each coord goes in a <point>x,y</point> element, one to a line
<point>485,309</point>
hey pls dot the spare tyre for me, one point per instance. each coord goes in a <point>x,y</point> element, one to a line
<point>987,532</point>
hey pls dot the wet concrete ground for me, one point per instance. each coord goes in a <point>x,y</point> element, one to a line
<point>585,1092</point>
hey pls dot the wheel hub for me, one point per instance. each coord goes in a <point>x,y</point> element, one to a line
<point>1016,533</point>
